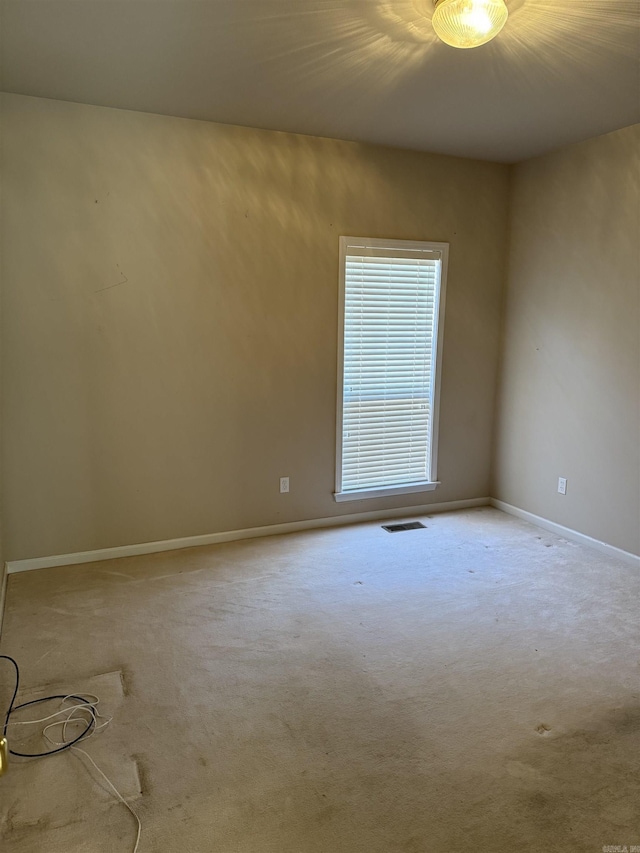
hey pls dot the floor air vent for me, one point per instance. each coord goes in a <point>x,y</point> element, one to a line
<point>407,525</point>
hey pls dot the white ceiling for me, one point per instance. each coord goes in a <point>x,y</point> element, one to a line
<point>367,70</point>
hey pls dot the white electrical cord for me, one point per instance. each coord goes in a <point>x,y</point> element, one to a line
<point>116,792</point>
<point>90,707</point>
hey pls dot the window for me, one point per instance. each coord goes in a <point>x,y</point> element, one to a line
<point>390,338</point>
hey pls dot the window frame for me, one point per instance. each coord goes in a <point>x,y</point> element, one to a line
<point>408,245</point>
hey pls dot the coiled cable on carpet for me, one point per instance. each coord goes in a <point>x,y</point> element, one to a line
<point>83,712</point>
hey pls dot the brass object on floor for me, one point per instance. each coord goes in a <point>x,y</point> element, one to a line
<point>4,755</point>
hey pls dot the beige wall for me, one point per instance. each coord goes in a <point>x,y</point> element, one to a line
<point>170,315</point>
<point>569,403</point>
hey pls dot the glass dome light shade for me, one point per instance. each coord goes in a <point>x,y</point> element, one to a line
<point>469,23</point>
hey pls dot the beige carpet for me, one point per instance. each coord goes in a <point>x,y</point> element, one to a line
<point>474,686</point>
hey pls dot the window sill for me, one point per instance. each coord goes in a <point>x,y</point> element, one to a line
<point>387,491</point>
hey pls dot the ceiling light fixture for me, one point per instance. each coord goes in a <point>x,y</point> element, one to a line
<point>468,23</point>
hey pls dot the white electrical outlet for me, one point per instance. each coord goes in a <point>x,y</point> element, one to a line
<point>562,485</point>
<point>284,485</point>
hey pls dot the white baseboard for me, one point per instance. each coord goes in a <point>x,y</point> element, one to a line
<point>233,535</point>
<point>3,591</point>
<point>568,533</point>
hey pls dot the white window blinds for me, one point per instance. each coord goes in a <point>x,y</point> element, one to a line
<point>390,336</point>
